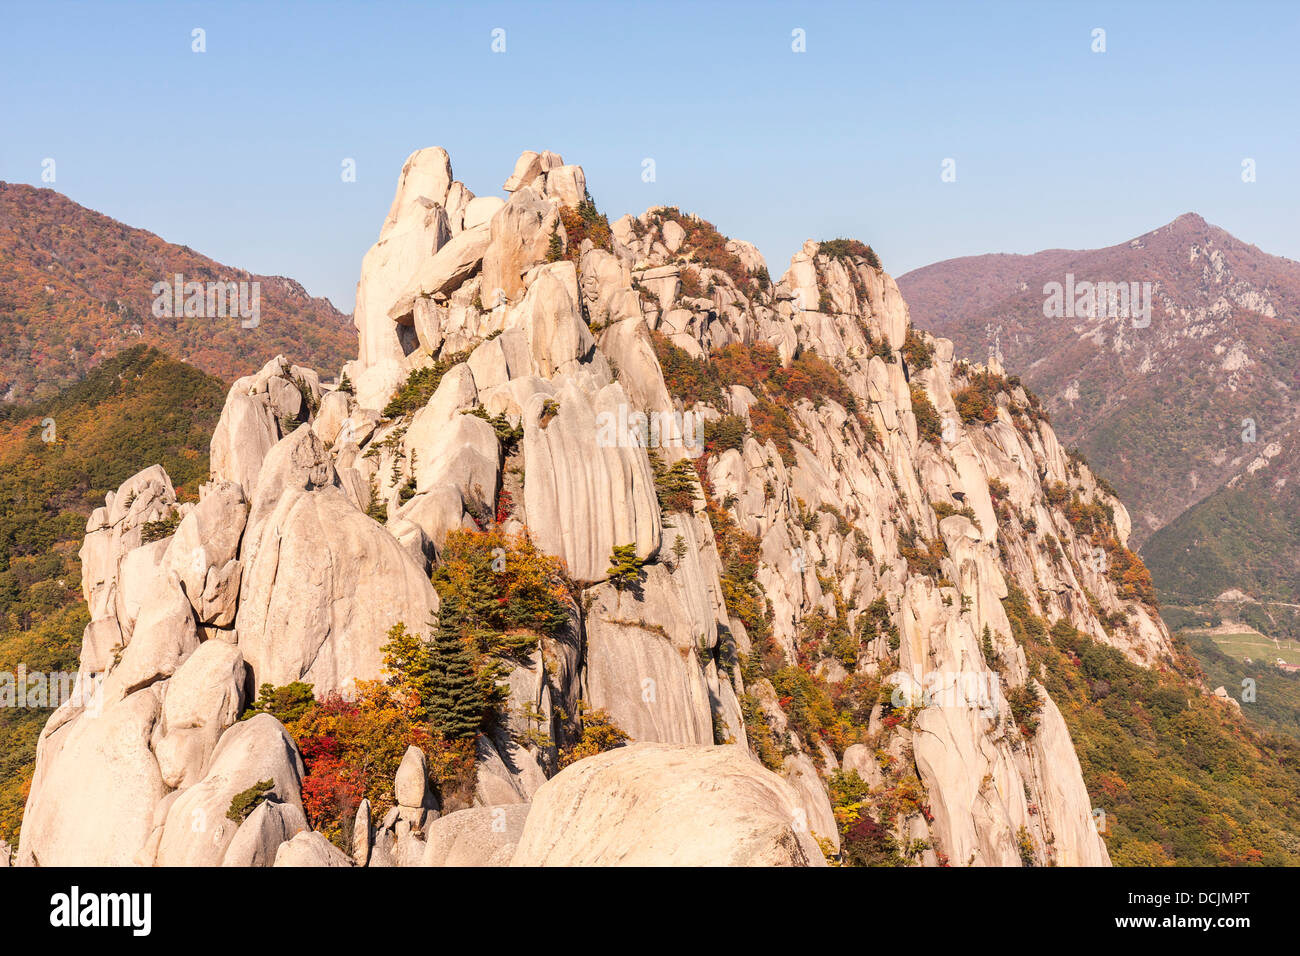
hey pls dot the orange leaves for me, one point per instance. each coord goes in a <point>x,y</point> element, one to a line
<point>526,582</point>
<point>692,287</point>
<point>708,245</point>
<point>582,223</point>
<point>737,364</point>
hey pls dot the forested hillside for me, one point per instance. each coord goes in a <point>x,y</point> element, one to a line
<point>76,287</point>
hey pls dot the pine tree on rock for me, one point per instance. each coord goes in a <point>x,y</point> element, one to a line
<point>440,674</point>
<point>455,703</point>
<point>625,570</point>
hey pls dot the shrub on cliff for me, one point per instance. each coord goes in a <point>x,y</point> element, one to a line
<point>928,426</point>
<point>597,735</point>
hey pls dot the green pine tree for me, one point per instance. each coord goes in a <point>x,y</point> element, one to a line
<point>473,609</point>
<point>626,567</point>
<point>990,652</point>
<point>555,248</point>
<point>441,673</point>
<point>456,700</point>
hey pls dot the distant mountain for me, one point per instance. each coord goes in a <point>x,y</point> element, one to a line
<point>77,286</point>
<point>1167,412</point>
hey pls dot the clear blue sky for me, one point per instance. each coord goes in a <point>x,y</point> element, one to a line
<point>236,152</point>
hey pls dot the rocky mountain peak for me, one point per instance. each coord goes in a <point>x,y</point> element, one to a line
<point>765,532</point>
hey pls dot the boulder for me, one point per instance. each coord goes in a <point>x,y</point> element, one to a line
<point>528,167</point>
<point>332,417</point>
<point>203,552</point>
<point>323,591</point>
<point>664,283</point>
<point>164,635</point>
<point>416,231</point>
<point>425,174</point>
<point>628,344</point>
<point>520,236</point>
<point>112,533</point>
<point>508,772</point>
<point>258,839</point>
<point>587,489</point>
<point>203,698</point>
<point>322,583</point>
<point>259,409</point>
<point>310,849</point>
<point>568,184</point>
<point>674,235</point>
<point>443,273</point>
<point>506,357</point>
<point>458,200</point>
<point>479,836</point>
<point>860,759</point>
<point>244,434</point>
<point>451,449</point>
<point>141,580</point>
<point>643,664</point>
<point>96,783</point>
<point>411,785</point>
<point>549,316</point>
<point>664,805</point>
<point>361,834</point>
<point>198,830</point>
<point>479,211</point>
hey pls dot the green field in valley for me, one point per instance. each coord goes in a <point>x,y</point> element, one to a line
<point>1257,647</point>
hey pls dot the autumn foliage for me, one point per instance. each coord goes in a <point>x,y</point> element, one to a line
<point>499,591</point>
<point>707,245</point>
<point>584,222</point>
<point>352,747</point>
<point>76,288</point>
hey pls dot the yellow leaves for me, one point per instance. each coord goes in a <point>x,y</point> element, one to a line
<point>599,734</point>
<point>849,814</point>
<point>828,851</point>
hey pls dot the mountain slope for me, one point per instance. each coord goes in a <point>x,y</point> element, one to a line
<point>1244,536</point>
<point>137,407</point>
<point>1238,550</point>
<point>76,286</point>
<point>1160,409</point>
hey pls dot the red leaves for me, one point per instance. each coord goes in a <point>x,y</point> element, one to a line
<point>351,749</point>
<point>331,789</point>
<point>505,506</point>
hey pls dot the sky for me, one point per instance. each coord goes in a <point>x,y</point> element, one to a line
<point>238,151</point>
